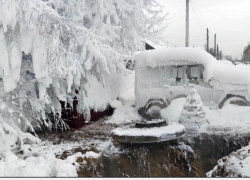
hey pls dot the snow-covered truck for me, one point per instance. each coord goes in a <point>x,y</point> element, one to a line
<point>164,74</point>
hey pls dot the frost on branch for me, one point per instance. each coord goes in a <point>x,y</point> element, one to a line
<point>51,49</point>
<point>192,115</point>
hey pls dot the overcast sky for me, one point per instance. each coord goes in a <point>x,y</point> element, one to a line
<point>229,19</point>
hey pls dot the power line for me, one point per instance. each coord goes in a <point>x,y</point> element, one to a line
<point>196,18</point>
<point>200,11</point>
<point>177,11</point>
<point>200,15</point>
<point>176,19</point>
<point>189,37</point>
<point>170,43</point>
<point>213,11</point>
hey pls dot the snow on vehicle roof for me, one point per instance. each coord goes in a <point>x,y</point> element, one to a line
<point>222,72</point>
<point>158,57</point>
<point>225,61</point>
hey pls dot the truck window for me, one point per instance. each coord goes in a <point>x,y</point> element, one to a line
<point>195,73</point>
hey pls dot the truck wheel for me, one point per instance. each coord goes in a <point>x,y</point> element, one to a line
<point>240,101</point>
<point>152,109</point>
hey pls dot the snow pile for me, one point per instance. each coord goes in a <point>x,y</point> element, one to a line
<point>237,164</point>
<point>128,97</point>
<point>231,118</point>
<point>123,113</point>
<point>48,166</point>
<point>12,123</point>
<point>172,113</point>
<point>42,160</point>
<point>192,115</point>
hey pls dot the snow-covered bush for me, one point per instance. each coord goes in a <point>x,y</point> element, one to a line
<point>192,114</point>
<point>51,49</point>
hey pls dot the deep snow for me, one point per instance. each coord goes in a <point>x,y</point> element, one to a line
<point>42,159</point>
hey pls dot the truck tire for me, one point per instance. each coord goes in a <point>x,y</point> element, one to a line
<point>152,109</point>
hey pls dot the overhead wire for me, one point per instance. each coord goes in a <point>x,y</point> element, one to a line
<point>177,11</point>
<point>197,19</point>
<point>214,12</point>
<point>200,15</point>
<point>176,19</point>
<point>189,37</point>
<point>170,43</point>
<point>200,10</point>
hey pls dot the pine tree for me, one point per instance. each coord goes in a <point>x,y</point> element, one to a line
<point>192,115</point>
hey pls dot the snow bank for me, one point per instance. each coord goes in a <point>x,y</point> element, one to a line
<point>42,160</point>
<point>231,117</point>
<point>172,113</point>
<point>128,97</point>
<point>48,166</point>
<point>237,164</point>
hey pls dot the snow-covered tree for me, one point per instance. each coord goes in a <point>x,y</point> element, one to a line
<point>192,114</point>
<point>51,49</point>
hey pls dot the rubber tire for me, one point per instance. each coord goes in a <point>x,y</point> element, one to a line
<point>240,101</point>
<point>143,111</point>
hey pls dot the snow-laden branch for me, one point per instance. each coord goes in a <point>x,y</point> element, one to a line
<point>51,49</point>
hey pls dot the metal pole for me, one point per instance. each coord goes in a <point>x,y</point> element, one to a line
<point>207,40</point>
<point>187,23</point>
<point>215,45</point>
<point>218,55</point>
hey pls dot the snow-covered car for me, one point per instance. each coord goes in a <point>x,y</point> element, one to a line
<point>164,74</point>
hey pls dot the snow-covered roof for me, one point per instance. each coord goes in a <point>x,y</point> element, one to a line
<point>222,72</point>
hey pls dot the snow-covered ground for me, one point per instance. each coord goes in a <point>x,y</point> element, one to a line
<point>46,159</point>
<point>231,117</point>
<point>125,112</point>
<point>43,159</point>
<point>237,164</point>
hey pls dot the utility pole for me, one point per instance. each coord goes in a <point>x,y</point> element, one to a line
<point>187,23</point>
<point>207,40</point>
<point>218,55</point>
<point>215,45</point>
